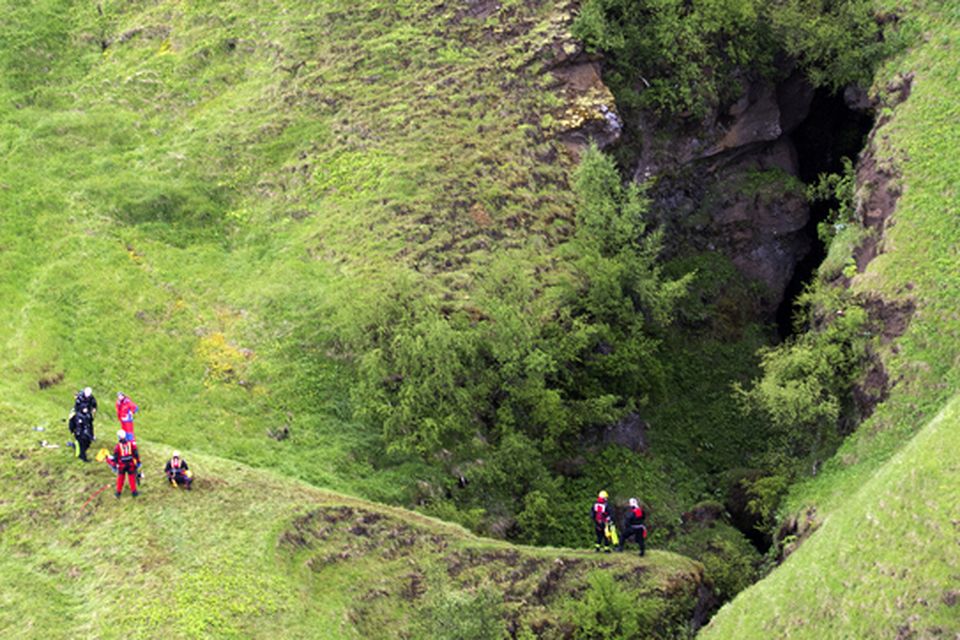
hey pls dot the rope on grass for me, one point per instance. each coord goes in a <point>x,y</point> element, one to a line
<point>92,496</point>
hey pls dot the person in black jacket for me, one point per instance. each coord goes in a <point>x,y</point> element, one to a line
<point>85,399</point>
<point>634,525</point>
<point>81,426</point>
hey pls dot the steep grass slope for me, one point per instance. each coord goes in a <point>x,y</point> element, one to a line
<point>195,196</point>
<point>913,282</point>
<point>884,562</point>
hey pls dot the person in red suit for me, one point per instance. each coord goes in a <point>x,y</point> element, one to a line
<point>600,513</point>
<point>127,459</point>
<point>125,410</point>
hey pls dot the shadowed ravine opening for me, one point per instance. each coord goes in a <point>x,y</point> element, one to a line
<point>833,131</point>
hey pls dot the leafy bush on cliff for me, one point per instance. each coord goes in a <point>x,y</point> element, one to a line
<point>607,611</point>
<point>679,57</point>
<point>807,380</point>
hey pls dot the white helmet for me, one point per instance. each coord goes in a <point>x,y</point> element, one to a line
<point>176,454</point>
<point>87,392</point>
<point>121,434</point>
<point>633,503</point>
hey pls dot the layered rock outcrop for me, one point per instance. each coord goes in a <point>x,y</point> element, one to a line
<point>730,182</point>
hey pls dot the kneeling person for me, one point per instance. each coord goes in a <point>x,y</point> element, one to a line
<point>178,473</point>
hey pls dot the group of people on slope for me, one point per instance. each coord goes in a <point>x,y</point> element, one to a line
<point>608,537</point>
<point>125,459</point>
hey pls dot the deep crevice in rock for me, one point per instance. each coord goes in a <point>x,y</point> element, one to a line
<point>831,132</point>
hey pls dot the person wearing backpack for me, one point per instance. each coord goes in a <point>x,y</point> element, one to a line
<point>85,400</point>
<point>600,513</point>
<point>127,458</point>
<point>634,526</point>
<point>81,426</point>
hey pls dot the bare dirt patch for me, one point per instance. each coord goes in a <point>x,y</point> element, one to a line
<point>49,380</point>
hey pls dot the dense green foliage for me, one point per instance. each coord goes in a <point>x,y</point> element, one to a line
<point>836,188</point>
<point>681,57</point>
<point>501,388</point>
<point>609,612</point>
<point>807,379</point>
<point>728,558</point>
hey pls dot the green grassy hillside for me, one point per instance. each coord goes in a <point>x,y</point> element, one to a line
<point>916,266</point>
<point>197,198</point>
<point>883,562</point>
<point>231,211</point>
<point>308,238</point>
<point>208,205</point>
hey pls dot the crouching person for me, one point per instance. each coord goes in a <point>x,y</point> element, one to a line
<point>178,473</point>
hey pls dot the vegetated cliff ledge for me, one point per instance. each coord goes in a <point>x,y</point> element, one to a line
<point>537,585</point>
<point>878,188</point>
<point>253,554</point>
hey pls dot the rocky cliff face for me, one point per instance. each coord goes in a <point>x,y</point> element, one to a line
<point>730,183</point>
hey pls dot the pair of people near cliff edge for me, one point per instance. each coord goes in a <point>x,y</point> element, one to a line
<point>634,525</point>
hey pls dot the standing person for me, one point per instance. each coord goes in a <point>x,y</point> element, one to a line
<point>81,426</point>
<point>125,410</point>
<point>127,459</point>
<point>634,526</point>
<point>85,400</point>
<point>599,514</point>
<point>178,473</point>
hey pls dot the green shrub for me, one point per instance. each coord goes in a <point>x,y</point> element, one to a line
<point>835,42</point>
<point>840,260</point>
<point>837,189</point>
<point>681,57</point>
<point>619,289</point>
<point>730,561</point>
<point>609,611</point>
<point>497,387</point>
<point>464,615</point>
<point>807,380</point>
<point>672,56</point>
